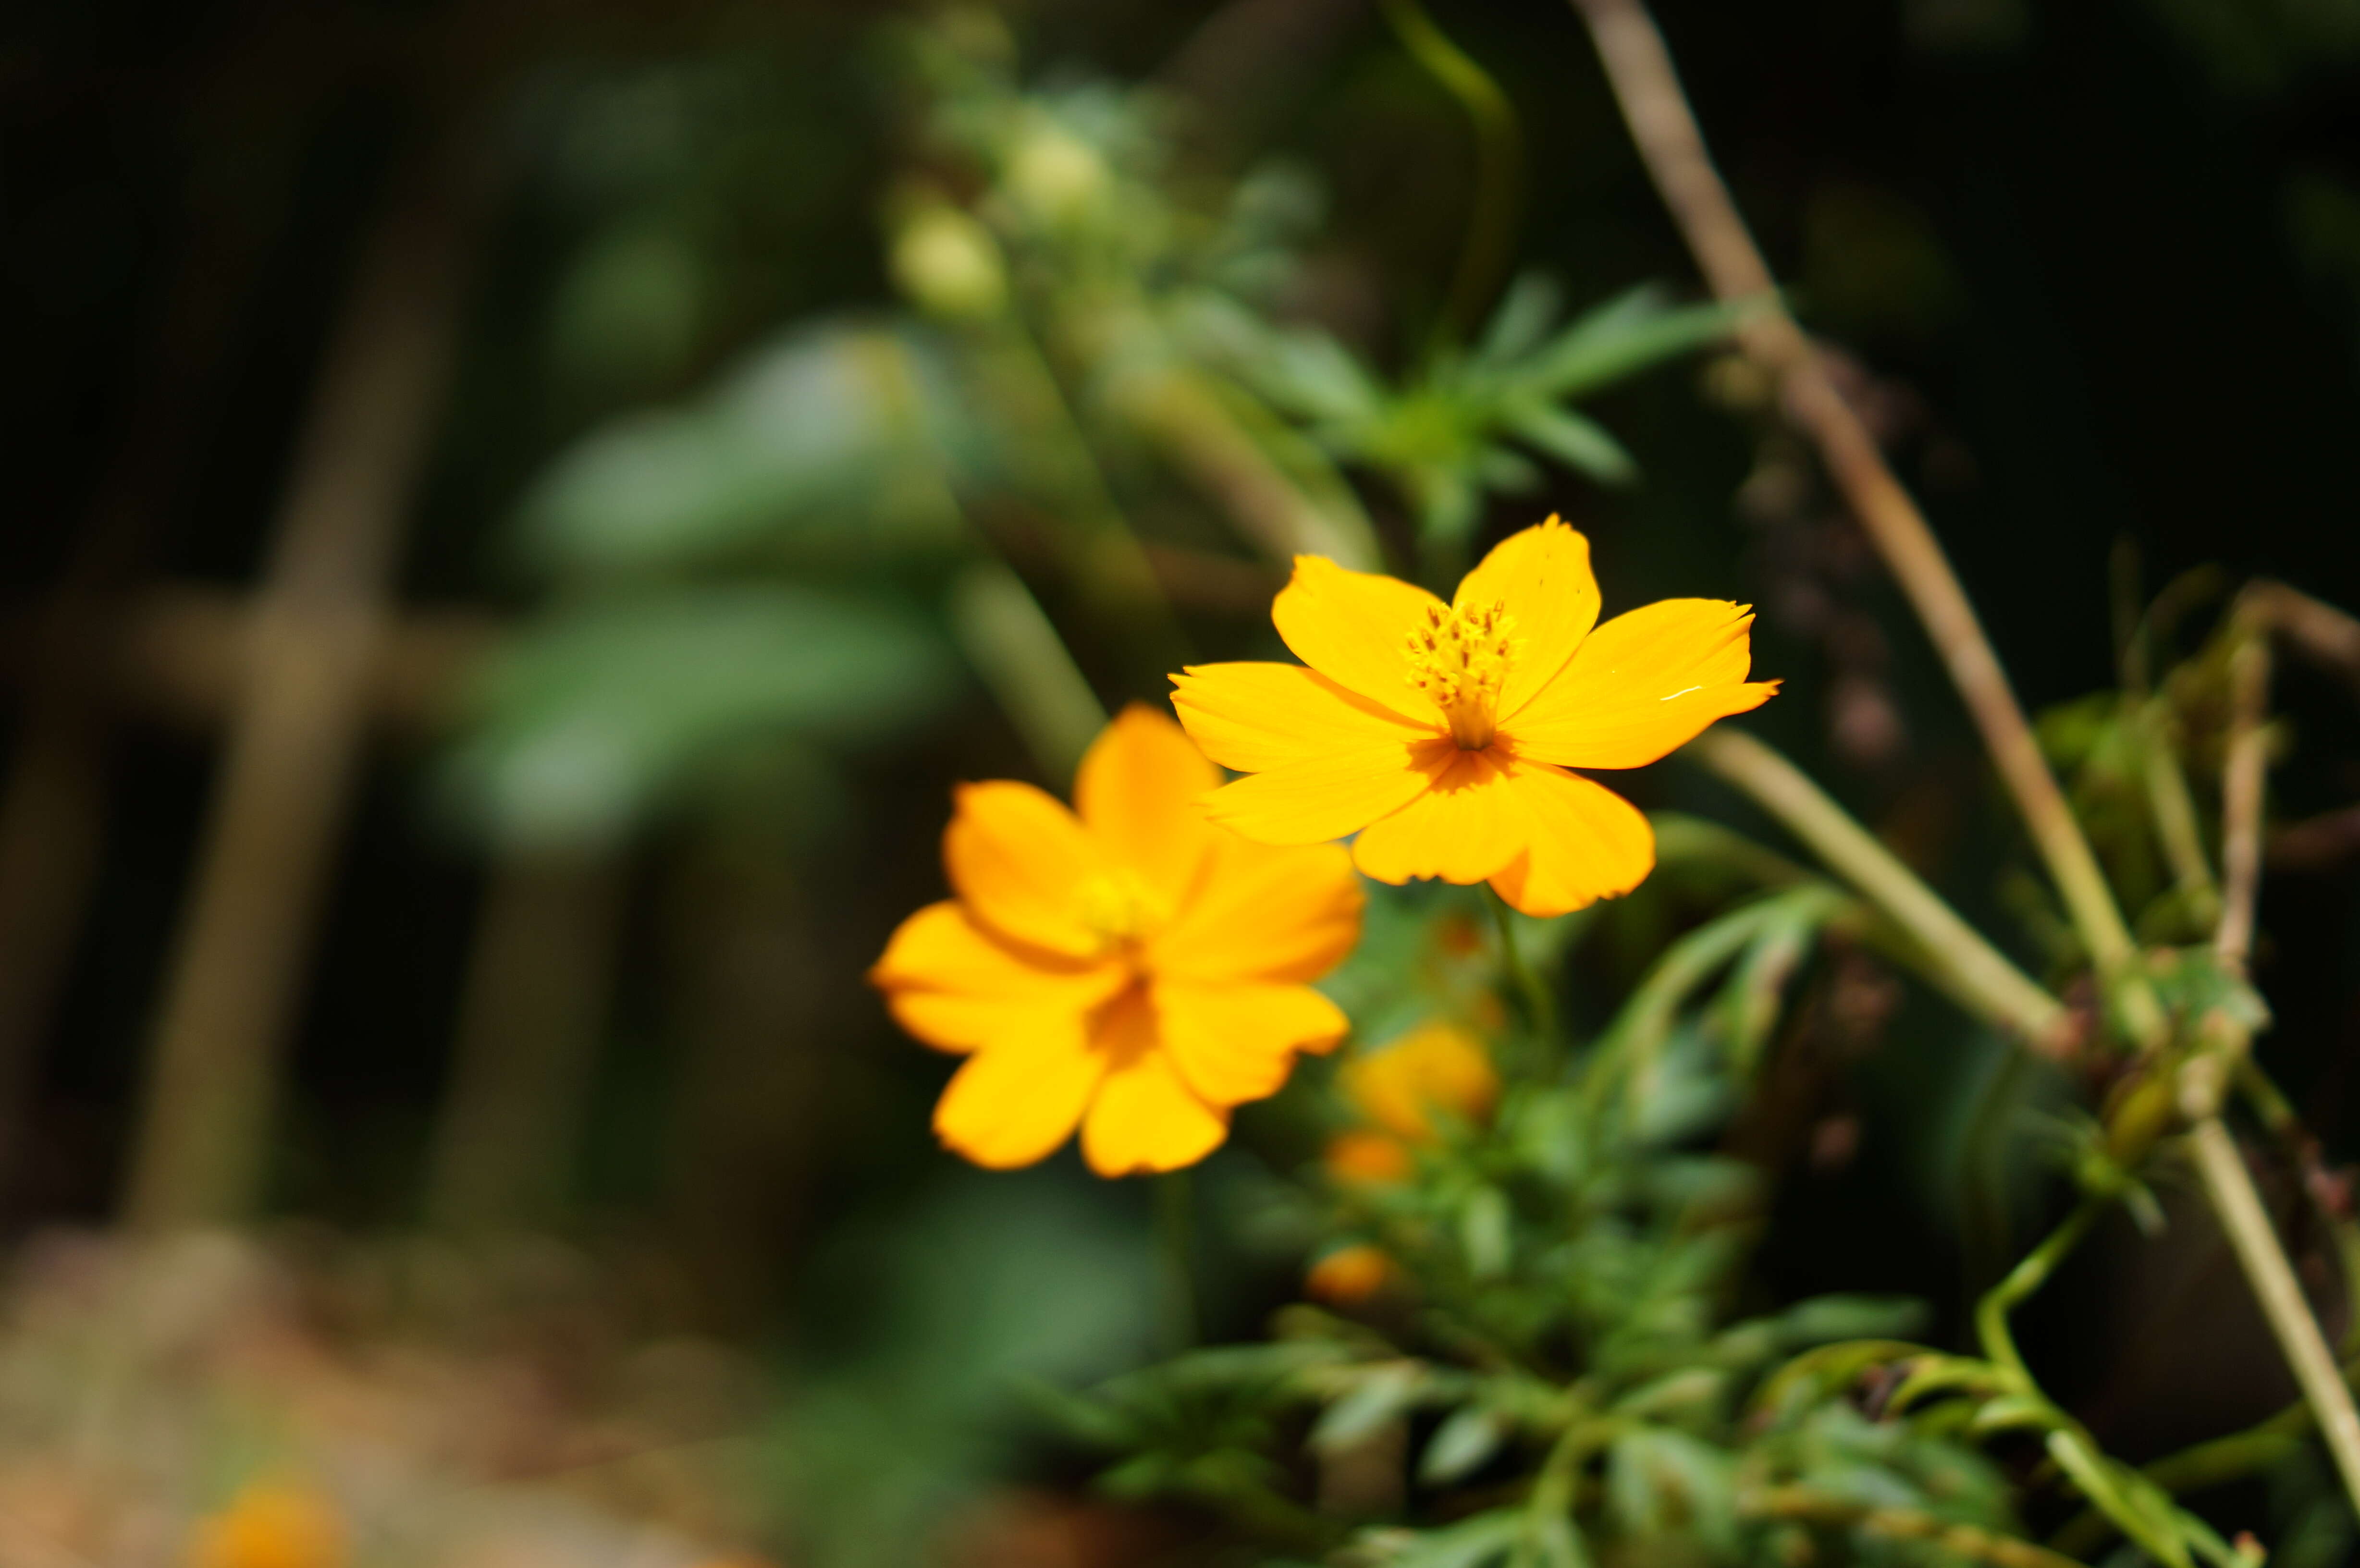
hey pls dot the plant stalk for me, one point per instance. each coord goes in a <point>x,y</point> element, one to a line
<point>1639,70</point>
<point>1975,967</point>
<point>2231,1187</point>
<point>1499,165</point>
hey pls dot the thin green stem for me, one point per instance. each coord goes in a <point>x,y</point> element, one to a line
<point>2031,1272</point>
<point>2231,1187</point>
<point>1499,165</point>
<point>1952,951</point>
<point>1016,650</point>
<point>1176,1238</point>
<point>1540,1007</point>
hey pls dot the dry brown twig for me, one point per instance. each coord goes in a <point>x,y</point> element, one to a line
<point>1639,71</point>
<point>1645,84</point>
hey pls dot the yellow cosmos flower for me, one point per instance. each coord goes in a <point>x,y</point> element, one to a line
<point>1435,1067</point>
<point>1348,1276</point>
<point>1132,970</point>
<point>1442,734</point>
<point>271,1525</point>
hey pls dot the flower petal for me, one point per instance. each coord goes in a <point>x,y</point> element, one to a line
<point>1582,843</point>
<point>1014,1103</point>
<point>1462,829</point>
<point>1265,912</point>
<point>1255,717</point>
<point>1543,576</point>
<point>1642,685</point>
<point>1017,859</point>
<point>958,987</point>
<point>1137,792</point>
<point>1145,1118</point>
<point>1324,797</point>
<point>1235,1044</point>
<point>1351,626</point>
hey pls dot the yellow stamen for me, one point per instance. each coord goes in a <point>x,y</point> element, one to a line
<point>1120,910</point>
<point>1458,659</point>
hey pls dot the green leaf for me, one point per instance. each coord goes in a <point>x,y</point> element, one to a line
<point>1380,1396</point>
<point>1461,1445</point>
<point>1579,442</point>
<point>1522,319</point>
<point>836,440</point>
<point>1626,334</point>
<point>1484,1232</point>
<point>1470,1543</point>
<point>584,723</point>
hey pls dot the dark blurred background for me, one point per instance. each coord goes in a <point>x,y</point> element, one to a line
<point>2095,269</point>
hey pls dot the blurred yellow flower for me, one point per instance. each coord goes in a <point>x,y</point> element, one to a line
<point>1441,733</point>
<point>1347,1276</point>
<point>1132,970</point>
<point>1435,1067</point>
<point>271,1524</point>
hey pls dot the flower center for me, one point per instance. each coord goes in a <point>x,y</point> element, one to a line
<point>1458,659</point>
<point>1120,910</point>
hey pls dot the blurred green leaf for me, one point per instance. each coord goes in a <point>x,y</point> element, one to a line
<point>835,442</point>
<point>583,724</point>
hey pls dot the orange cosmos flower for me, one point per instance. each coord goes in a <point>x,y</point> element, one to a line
<point>1435,1067</point>
<point>1347,1276</point>
<point>271,1525</point>
<point>1441,733</point>
<point>1134,970</point>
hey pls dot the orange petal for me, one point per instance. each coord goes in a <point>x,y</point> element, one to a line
<point>1351,626</point>
<point>1328,797</point>
<point>1017,859</point>
<point>1255,717</point>
<point>1145,1118</point>
<point>1347,1276</point>
<point>1641,685</point>
<point>1582,843</point>
<point>1264,912</point>
<point>1014,1103</point>
<point>1462,828</point>
<point>1543,576</point>
<point>1374,1157</point>
<point>958,987</point>
<point>1137,792</point>
<point>1235,1044</point>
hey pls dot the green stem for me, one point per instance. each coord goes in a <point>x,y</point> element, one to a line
<point>1953,952</point>
<point>2023,1280</point>
<point>1540,1007</point>
<point>1175,1236</point>
<point>1016,650</point>
<point>1498,161</point>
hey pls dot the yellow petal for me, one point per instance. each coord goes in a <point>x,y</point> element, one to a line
<point>958,987</point>
<point>1543,576</point>
<point>1264,912</point>
<point>1014,1103</point>
<point>1017,859</point>
<point>1350,626</point>
<point>1235,1044</point>
<point>1145,1118</point>
<point>1376,1159</point>
<point>1255,717</point>
<point>1137,792</point>
<point>1583,843</point>
<point>1641,685</point>
<point>1462,829</point>
<point>1347,1276</point>
<point>1326,797</point>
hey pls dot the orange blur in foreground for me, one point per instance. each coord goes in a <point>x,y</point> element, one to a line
<point>271,1525</point>
<point>1126,967</point>
<point>1442,734</point>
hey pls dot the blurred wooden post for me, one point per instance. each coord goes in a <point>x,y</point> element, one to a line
<point>53,805</point>
<point>296,727</point>
<point>531,1017</point>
